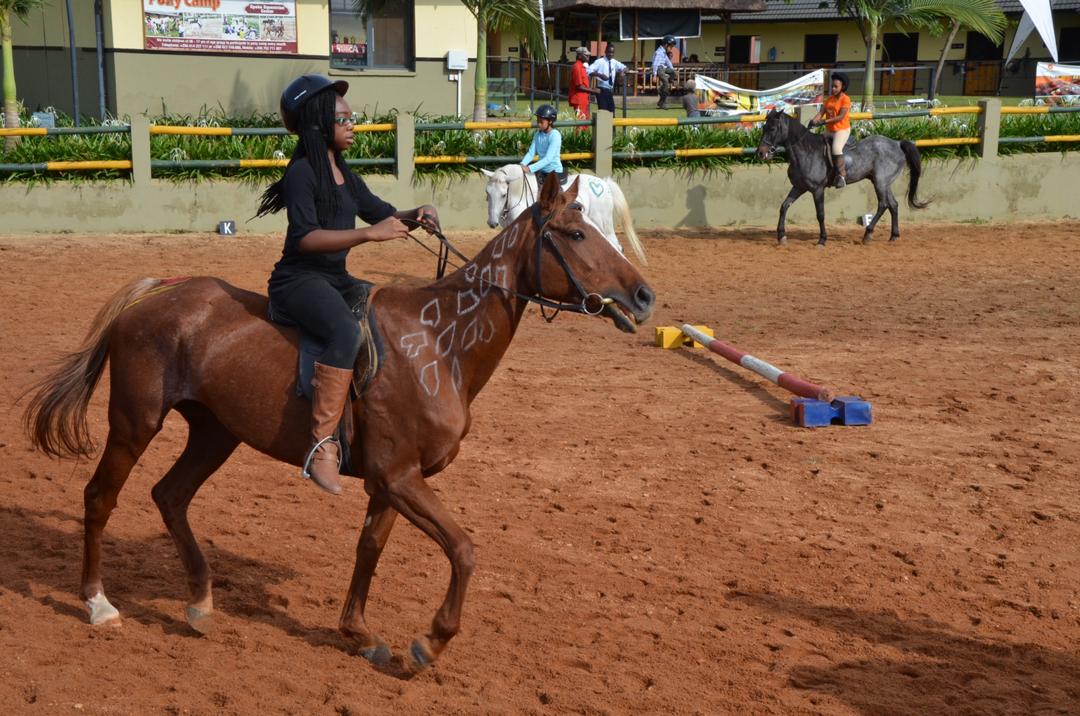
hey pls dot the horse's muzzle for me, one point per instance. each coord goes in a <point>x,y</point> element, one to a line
<point>764,152</point>
<point>492,224</point>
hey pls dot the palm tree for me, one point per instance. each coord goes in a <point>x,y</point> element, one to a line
<point>520,17</point>
<point>983,16</point>
<point>20,9</point>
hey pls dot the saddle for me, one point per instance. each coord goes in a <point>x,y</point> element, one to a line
<point>369,359</point>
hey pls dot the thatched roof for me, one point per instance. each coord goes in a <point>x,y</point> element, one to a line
<point>552,6</point>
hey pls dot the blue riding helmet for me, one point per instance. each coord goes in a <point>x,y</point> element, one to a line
<point>301,90</point>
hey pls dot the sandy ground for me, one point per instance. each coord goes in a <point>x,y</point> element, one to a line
<point>653,535</point>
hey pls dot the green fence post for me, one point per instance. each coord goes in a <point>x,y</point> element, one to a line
<point>989,125</point>
<point>404,148</point>
<point>603,138</point>
<point>140,149</point>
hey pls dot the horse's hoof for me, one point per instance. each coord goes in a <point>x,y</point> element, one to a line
<point>200,621</point>
<point>379,654</point>
<point>821,243</point>
<point>782,241</point>
<point>894,237</point>
<point>867,238</point>
<point>101,612</point>
<point>420,656</point>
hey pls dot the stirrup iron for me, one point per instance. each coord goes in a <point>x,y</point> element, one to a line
<point>304,471</point>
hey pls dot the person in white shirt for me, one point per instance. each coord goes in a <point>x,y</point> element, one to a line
<point>605,69</point>
<point>663,70</point>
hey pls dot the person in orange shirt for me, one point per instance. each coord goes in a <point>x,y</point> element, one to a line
<point>835,117</point>
<point>580,91</point>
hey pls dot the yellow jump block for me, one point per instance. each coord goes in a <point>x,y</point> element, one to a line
<point>673,337</point>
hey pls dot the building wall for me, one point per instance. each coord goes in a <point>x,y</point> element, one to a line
<point>144,81</point>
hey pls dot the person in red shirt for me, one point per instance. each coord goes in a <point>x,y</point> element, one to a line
<point>834,116</point>
<point>579,84</point>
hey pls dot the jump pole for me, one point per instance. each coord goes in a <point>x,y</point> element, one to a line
<point>816,404</point>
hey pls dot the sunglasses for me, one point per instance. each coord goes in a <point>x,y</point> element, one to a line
<point>342,121</point>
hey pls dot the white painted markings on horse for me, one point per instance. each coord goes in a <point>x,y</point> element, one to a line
<point>470,272</point>
<point>414,342</point>
<point>470,334</point>
<point>429,378</point>
<point>431,315</point>
<point>485,280</point>
<point>501,277</point>
<point>455,374</point>
<point>467,301</point>
<point>446,339</point>
<point>512,235</point>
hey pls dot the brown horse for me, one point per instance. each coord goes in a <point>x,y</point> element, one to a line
<point>203,348</point>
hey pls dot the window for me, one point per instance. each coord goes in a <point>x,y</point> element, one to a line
<point>1069,47</point>
<point>382,41</point>
<point>820,49</point>
<point>745,49</point>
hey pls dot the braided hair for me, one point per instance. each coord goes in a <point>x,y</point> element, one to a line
<point>315,129</point>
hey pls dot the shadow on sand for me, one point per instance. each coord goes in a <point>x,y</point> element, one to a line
<point>44,549</point>
<point>937,671</point>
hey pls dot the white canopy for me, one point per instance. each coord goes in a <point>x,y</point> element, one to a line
<point>1037,16</point>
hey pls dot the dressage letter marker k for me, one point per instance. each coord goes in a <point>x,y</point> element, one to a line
<point>226,228</point>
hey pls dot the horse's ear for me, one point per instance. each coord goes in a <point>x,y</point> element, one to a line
<point>550,191</point>
<point>572,192</point>
<point>487,172</point>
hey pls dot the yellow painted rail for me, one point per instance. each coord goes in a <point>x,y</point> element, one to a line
<point>710,152</point>
<point>1062,138</point>
<point>946,142</point>
<point>88,165</point>
<point>229,131</point>
<point>24,132</point>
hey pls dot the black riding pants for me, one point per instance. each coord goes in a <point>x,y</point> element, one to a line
<point>325,313</point>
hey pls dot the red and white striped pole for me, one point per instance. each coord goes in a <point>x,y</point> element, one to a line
<point>787,381</point>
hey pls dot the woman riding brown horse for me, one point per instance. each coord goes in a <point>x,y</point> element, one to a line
<point>205,349</point>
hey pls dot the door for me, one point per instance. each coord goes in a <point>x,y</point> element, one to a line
<point>898,50</point>
<point>982,65</point>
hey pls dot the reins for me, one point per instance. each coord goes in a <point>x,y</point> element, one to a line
<point>591,304</point>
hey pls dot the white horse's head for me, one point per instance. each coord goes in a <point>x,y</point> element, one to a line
<point>507,193</point>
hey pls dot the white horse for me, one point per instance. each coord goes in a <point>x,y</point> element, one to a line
<point>511,190</point>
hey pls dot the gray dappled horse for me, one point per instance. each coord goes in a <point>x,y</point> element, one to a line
<point>810,169</point>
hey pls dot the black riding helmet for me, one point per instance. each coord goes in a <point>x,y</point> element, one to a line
<point>301,90</point>
<point>842,77</point>
<point>546,111</point>
<point>668,40</point>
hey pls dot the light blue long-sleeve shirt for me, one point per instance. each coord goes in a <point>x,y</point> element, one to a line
<point>548,146</point>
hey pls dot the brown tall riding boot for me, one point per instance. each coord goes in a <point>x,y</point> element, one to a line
<point>328,402</point>
<point>841,171</point>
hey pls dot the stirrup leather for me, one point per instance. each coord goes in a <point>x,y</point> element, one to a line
<point>304,471</point>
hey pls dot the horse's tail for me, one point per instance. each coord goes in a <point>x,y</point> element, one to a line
<point>622,210</point>
<point>55,419</point>
<point>914,163</point>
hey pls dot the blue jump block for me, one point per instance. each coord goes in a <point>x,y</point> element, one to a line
<point>844,410</point>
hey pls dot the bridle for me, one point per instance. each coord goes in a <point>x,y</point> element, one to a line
<point>591,304</point>
<point>523,198</point>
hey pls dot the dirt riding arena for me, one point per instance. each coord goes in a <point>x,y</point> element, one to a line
<point>653,535</point>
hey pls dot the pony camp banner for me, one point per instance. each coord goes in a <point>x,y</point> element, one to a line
<point>220,26</point>
<point>719,97</point>
<point>1057,84</point>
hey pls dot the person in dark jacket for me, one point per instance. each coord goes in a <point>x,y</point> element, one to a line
<point>310,285</point>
